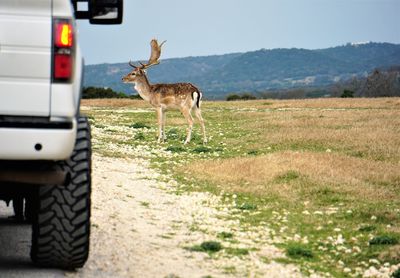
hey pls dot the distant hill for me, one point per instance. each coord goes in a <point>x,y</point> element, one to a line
<point>257,71</point>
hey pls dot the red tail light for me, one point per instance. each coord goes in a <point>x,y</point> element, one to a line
<point>62,66</point>
<point>63,35</point>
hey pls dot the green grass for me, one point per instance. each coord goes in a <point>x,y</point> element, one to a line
<point>175,149</point>
<point>225,235</point>
<point>139,125</point>
<point>298,251</point>
<point>237,251</point>
<point>247,206</point>
<point>360,134</point>
<point>384,240</point>
<point>202,149</point>
<point>145,204</point>
<point>207,246</point>
<point>287,177</point>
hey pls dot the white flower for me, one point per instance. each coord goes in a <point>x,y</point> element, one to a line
<point>318,212</point>
<point>306,212</point>
<point>371,272</point>
<point>328,150</point>
<point>373,217</point>
<point>374,261</point>
<point>339,240</point>
<point>346,270</point>
<point>337,229</point>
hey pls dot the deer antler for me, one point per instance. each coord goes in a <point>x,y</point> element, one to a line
<point>132,65</point>
<point>155,52</point>
<point>154,56</point>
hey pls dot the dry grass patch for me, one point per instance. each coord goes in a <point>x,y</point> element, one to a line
<point>292,174</point>
<point>363,133</point>
<point>115,102</point>
<point>317,103</point>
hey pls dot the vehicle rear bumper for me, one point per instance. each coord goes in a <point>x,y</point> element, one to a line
<point>52,142</point>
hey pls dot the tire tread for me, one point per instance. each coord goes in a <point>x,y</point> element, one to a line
<point>61,228</point>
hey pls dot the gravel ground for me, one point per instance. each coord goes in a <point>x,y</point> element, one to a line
<point>140,228</point>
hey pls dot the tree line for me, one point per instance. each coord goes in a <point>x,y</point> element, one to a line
<point>96,92</point>
<point>379,83</point>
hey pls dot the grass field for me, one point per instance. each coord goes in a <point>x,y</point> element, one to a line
<point>323,174</point>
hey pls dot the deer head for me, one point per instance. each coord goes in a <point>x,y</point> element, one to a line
<point>139,71</point>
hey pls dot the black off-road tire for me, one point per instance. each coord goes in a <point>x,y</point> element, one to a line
<point>61,226</point>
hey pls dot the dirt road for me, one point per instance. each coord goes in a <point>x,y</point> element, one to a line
<point>142,228</point>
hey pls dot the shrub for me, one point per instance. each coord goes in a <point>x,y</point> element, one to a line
<point>383,240</point>
<point>298,251</point>
<point>232,97</point>
<point>94,92</point>
<point>245,96</point>
<point>211,246</point>
<point>139,125</point>
<point>207,246</point>
<point>347,93</point>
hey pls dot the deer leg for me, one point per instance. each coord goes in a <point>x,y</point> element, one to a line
<point>189,119</point>
<point>160,121</point>
<point>197,112</point>
<point>163,124</point>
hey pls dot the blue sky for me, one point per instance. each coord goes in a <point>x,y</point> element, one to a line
<point>207,27</point>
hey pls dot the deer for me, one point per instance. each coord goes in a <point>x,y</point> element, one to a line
<point>182,96</point>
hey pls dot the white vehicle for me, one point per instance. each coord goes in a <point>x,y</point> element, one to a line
<point>45,149</point>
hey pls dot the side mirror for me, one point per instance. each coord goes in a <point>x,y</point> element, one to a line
<point>99,11</point>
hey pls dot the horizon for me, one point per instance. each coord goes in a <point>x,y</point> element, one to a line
<point>211,55</point>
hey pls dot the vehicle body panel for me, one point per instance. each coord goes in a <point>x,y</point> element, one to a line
<point>25,57</point>
<point>26,86</point>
